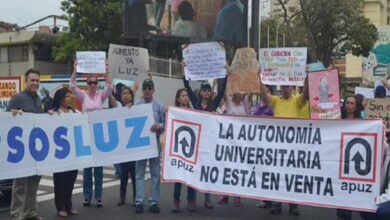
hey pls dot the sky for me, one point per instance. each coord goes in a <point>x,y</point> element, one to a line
<point>23,12</point>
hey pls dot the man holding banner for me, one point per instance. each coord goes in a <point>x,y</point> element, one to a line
<point>154,163</point>
<point>285,106</point>
<point>24,190</point>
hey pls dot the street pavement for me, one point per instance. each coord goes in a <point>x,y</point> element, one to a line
<point>111,211</point>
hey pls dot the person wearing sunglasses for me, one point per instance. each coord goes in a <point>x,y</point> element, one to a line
<point>154,163</point>
<point>92,99</point>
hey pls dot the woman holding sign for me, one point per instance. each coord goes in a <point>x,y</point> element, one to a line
<point>206,102</point>
<point>92,99</point>
<point>182,100</point>
<point>63,181</point>
<point>127,100</point>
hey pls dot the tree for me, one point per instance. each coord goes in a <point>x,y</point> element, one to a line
<point>94,24</point>
<point>328,28</point>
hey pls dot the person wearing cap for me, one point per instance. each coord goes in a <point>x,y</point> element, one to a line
<point>154,163</point>
<point>206,102</point>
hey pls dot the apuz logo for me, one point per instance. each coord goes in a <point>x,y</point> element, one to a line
<point>358,157</point>
<point>185,140</point>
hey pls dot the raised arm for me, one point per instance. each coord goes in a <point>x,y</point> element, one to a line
<point>109,87</point>
<point>221,86</point>
<point>73,83</point>
<point>264,95</point>
<point>194,98</point>
<point>305,91</point>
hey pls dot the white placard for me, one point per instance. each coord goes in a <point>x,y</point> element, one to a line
<point>204,61</point>
<point>283,66</point>
<point>91,62</point>
<point>128,62</point>
<point>366,92</point>
<point>310,162</point>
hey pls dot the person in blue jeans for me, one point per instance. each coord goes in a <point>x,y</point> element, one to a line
<point>154,163</point>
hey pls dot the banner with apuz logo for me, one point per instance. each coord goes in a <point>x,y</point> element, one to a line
<point>326,163</point>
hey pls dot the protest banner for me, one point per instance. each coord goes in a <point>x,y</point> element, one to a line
<point>309,162</point>
<point>36,144</point>
<point>378,108</point>
<point>244,77</point>
<point>366,92</point>
<point>129,63</point>
<point>91,62</point>
<point>324,94</point>
<point>9,87</point>
<point>283,66</point>
<point>204,61</point>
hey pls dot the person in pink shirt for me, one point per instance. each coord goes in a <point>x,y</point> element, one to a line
<point>92,99</point>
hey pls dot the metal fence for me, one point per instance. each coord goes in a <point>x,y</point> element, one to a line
<point>166,67</point>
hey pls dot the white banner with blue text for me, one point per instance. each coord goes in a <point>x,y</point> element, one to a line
<point>32,144</point>
<point>326,163</point>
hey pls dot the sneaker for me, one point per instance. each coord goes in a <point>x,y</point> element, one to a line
<point>293,211</point>
<point>99,203</point>
<point>276,210</point>
<point>176,206</point>
<point>86,202</point>
<point>191,205</point>
<point>223,200</point>
<point>154,209</point>
<point>208,205</point>
<point>62,214</point>
<point>237,202</point>
<point>139,208</point>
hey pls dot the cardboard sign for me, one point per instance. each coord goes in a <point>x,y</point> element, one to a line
<point>129,63</point>
<point>378,108</point>
<point>204,61</point>
<point>324,94</point>
<point>244,77</point>
<point>91,62</point>
<point>283,66</point>
<point>310,162</point>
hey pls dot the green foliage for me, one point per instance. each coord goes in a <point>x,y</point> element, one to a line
<point>94,24</point>
<point>328,28</point>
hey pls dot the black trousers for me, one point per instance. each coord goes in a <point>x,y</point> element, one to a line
<point>63,187</point>
<point>126,168</point>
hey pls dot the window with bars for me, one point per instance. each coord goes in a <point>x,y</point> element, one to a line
<point>18,53</point>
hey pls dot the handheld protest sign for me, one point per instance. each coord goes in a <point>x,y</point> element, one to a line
<point>91,62</point>
<point>128,63</point>
<point>204,61</point>
<point>283,66</point>
<point>244,76</point>
<point>324,94</point>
